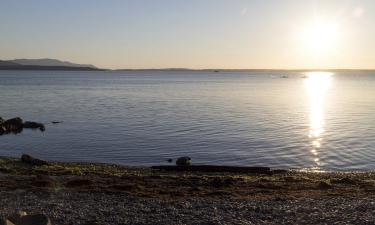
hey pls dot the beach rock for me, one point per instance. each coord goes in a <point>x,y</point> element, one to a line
<point>34,125</point>
<point>14,125</point>
<point>325,185</point>
<point>33,161</point>
<point>183,161</point>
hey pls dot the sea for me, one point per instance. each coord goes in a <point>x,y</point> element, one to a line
<point>321,121</point>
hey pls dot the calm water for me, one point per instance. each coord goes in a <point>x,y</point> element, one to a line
<point>318,120</point>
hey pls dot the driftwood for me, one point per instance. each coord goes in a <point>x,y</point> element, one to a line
<point>213,168</point>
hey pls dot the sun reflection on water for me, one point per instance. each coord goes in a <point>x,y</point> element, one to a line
<point>316,85</point>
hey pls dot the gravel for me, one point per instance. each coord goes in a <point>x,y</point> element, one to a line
<point>65,208</point>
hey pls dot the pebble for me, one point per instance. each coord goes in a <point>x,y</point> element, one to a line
<point>103,208</point>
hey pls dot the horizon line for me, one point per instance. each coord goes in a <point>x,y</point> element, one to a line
<point>202,69</point>
<point>247,69</point>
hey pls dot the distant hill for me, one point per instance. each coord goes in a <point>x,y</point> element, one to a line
<point>44,64</point>
<point>48,62</point>
<point>7,63</point>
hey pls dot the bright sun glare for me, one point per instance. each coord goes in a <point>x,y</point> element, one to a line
<point>321,37</point>
<point>317,85</point>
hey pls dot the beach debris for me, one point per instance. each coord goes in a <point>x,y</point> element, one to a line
<point>183,161</point>
<point>16,125</point>
<point>34,125</point>
<point>33,161</point>
<point>22,218</point>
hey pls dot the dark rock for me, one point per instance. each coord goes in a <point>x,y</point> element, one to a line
<point>325,185</point>
<point>170,160</point>
<point>33,161</point>
<point>56,122</point>
<point>34,125</point>
<point>14,125</point>
<point>183,161</point>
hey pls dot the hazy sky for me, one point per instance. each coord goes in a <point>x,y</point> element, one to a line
<point>192,33</point>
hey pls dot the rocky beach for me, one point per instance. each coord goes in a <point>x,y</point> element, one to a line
<point>83,193</point>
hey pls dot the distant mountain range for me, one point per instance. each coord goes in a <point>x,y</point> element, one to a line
<point>54,64</point>
<point>44,64</point>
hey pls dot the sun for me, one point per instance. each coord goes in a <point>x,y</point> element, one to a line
<point>321,37</point>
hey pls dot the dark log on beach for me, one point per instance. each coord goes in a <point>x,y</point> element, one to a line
<point>33,161</point>
<point>212,168</point>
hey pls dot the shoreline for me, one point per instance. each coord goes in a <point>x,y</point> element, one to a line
<point>55,174</point>
<point>80,193</point>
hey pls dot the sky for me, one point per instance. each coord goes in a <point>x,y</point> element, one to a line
<point>227,34</point>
